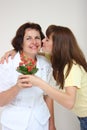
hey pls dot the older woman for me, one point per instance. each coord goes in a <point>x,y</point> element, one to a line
<point>25,108</point>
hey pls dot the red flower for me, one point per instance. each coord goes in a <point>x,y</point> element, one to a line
<point>27,65</point>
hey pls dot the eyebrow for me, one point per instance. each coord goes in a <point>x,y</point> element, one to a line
<point>31,36</point>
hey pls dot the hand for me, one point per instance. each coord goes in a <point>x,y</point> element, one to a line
<point>35,80</point>
<point>52,123</point>
<point>52,128</point>
<point>11,53</point>
<point>30,80</point>
<point>23,82</point>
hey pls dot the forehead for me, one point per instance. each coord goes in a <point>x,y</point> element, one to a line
<point>32,32</point>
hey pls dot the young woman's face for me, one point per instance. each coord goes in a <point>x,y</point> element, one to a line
<point>31,42</point>
<point>47,45</point>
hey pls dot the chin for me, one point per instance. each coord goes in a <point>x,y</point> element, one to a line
<point>44,50</point>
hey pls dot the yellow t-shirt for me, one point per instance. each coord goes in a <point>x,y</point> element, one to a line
<point>78,77</point>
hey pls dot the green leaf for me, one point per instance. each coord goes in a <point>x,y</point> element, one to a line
<point>24,70</point>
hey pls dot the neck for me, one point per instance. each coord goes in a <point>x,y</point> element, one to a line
<point>28,55</point>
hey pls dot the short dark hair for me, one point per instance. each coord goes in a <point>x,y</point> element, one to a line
<point>17,41</point>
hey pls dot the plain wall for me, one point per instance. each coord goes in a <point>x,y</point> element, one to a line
<point>71,13</point>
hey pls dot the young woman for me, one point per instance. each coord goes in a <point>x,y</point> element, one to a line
<point>26,108</point>
<point>69,70</point>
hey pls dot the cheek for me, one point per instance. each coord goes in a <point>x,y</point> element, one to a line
<point>49,47</point>
<point>46,49</point>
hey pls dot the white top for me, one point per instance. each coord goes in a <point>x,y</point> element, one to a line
<point>16,115</point>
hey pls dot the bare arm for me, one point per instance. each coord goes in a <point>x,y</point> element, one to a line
<point>8,95</point>
<point>66,99</point>
<point>50,105</point>
<point>11,53</point>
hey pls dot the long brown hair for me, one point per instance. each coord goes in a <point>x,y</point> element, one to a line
<point>65,50</point>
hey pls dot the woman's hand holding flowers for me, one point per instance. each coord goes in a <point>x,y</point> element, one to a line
<point>27,67</point>
<point>23,82</point>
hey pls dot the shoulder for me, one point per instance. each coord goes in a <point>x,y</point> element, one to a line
<point>43,60</point>
<point>75,68</point>
<point>76,71</point>
<point>10,61</point>
<point>16,57</point>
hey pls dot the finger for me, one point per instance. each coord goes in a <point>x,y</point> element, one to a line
<point>13,53</point>
<point>23,76</point>
<point>30,85</point>
<point>7,54</point>
<point>26,85</point>
<point>6,58</point>
<point>12,56</point>
<point>24,80</point>
<point>2,60</point>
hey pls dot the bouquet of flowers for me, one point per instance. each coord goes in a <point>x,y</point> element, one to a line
<point>27,65</point>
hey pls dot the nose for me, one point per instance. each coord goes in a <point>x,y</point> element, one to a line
<point>34,41</point>
<point>43,40</point>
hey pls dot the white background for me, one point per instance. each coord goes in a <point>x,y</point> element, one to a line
<point>71,13</point>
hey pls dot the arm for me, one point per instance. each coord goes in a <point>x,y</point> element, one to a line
<point>50,105</point>
<point>8,95</point>
<point>66,99</point>
<point>11,53</point>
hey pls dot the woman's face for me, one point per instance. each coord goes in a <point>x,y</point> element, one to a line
<point>31,42</point>
<point>47,45</point>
